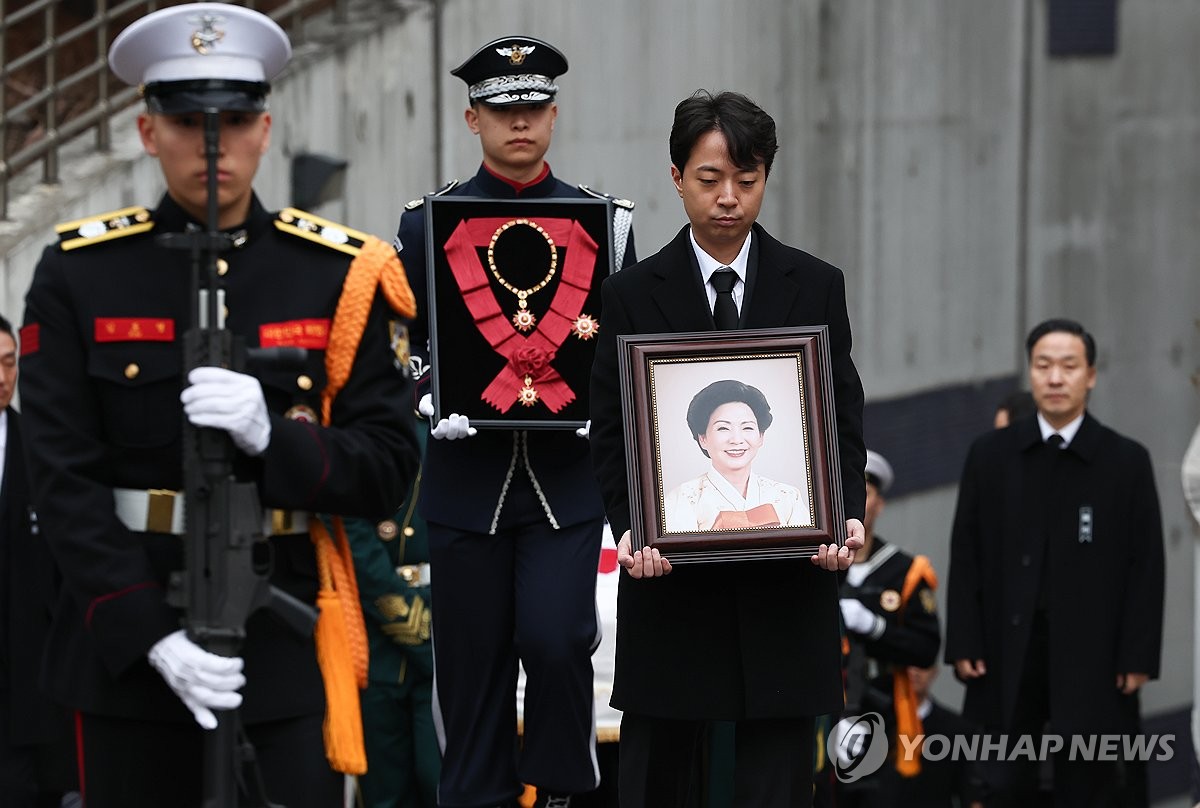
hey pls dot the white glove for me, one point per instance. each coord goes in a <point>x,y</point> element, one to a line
<point>203,681</point>
<point>452,428</point>
<point>859,618</point>
<point>234,402</point>
<point>585,431</point>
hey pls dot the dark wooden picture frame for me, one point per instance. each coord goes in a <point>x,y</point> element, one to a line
<point>660,377</point>
<point>493,261</point>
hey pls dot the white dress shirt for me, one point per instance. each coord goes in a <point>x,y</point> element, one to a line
<point>709,265</point>
<point>3,443</point>
<point>1067,432</point>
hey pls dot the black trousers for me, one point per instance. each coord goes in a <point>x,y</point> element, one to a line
<point>663,763</point>
<point>143,764</point>
<point>36,775</point>
<point>527,591</point>
<point>1076,783</point>
<point>22,778</point>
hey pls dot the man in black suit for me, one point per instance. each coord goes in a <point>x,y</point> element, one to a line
<point>756,643</point>
<point>1056,576</point>
<point>36,760</point>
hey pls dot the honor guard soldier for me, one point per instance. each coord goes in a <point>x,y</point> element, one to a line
<point>104,380</point>
<point>391,559</point>
<point>514,516</point>
<point>889,610</point>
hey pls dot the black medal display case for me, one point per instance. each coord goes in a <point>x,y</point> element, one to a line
<point>514,307</point>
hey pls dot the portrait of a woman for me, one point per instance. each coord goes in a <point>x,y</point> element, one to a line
<point>729,420</point>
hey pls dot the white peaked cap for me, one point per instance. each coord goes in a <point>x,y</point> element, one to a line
<point>880,469</point>
<point>198,41</point>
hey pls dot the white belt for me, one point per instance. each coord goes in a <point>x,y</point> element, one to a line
<point>162,511</point>
<point>415,574</point>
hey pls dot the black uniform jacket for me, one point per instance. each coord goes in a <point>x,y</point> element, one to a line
<point>463,480</point>
<point>102,411</point>
<point>726,640</point>
<point>27,592</point>
<point>1017,522</point>
<point>911,635</point>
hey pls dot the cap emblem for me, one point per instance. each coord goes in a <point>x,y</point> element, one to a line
<point>516,53</point>
<point>204,39</point>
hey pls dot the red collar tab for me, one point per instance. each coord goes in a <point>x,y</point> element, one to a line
<point>520,186</point>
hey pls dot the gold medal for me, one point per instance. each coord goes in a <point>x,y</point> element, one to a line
<point>889,600</point>
<point>529,394</point>
<point>301,412</point>
<point>585,327</point>
<point>524,319</point>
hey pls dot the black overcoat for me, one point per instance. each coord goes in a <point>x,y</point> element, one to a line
<point>29,589</point>
<point>729,640</point>
<point>1016,521</point>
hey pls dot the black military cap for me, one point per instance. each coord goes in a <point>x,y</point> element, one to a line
<point>512,70</point>
<point>201,56</point>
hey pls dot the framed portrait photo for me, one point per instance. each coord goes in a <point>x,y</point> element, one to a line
<point>731,441</point>
<point>514,307</point>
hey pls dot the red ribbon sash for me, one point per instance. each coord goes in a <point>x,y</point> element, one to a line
<point>528,356</point>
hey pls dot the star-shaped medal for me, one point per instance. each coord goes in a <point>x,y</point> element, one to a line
<point>524,320</point>
<point>585,327</point>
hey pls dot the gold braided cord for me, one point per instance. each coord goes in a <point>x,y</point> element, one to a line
<point>345,582</point>
<point>376,265</point>
<point>335,569</point>
<point>394,283</point>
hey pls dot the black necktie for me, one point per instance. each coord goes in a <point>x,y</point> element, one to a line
<point>1055,440</point>
<point>725,313</point>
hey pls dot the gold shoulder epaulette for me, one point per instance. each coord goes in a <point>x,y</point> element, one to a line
<point>419,201</point>
<point>105,227</point>
<point>620,203</point>
<point>322,231</point>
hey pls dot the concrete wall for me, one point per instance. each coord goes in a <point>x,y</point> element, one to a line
<point>968,184</point>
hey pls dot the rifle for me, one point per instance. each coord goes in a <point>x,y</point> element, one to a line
<point>226,557</point>
<point>860,670</point>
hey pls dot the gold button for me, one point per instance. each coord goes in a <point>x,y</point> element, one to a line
<point>386,529</point>
<point>304,382</point>
<point>132,370</point>
<point>222,266</point>
<point>224,312</point>
<point>408,531</point>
